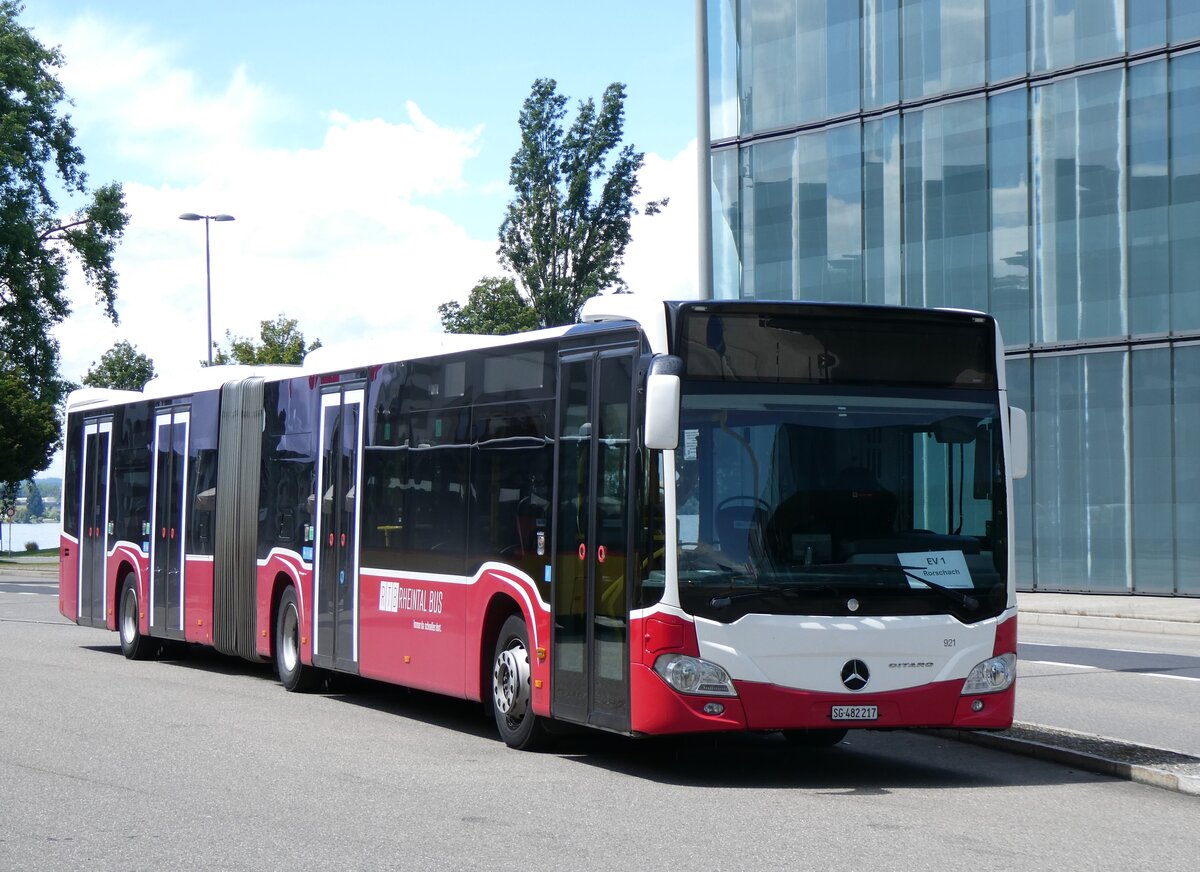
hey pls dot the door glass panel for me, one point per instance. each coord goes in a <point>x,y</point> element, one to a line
<point>327,552</point>
<point>161,551</point>
<point>345,508</point>
<point>570,571</point>
<point>609,627</point>
<point>175,521</point>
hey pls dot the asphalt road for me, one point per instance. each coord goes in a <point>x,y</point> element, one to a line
<point>207,762</point>
<point>1138,687</point>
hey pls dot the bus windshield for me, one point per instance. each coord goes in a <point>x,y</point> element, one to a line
<point>836,500</point>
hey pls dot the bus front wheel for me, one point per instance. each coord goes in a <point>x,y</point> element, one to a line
<point>293,674</point>
<point>134,645</point>
<point>512,694</point>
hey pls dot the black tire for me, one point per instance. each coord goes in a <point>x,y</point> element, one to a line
<point>512,689</point>
<point>293,674</point>
<point>814,738</point>
<point>134,645</point>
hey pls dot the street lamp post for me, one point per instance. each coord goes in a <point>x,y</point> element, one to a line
<point>192,216</point>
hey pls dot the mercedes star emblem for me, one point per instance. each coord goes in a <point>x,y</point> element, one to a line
<point>855,675</point>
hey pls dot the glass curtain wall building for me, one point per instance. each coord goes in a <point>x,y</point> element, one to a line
<point>1036,159</point>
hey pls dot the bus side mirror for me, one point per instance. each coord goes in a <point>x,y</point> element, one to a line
<point>1018,442</point>
<point>662,403</point>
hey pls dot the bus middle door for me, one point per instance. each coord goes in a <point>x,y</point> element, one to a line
<point>590,599</point>
<point>335,619</point>
<point>167,522</point>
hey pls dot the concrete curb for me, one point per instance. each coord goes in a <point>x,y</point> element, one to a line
<point>1109,622</point>
<point>1048,743</point>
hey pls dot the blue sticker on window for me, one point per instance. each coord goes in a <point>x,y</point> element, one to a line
<point>306,553</point>
<point>547,575</point>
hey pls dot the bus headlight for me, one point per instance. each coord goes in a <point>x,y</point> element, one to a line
<point>693,675</point>
<point>992,675</point>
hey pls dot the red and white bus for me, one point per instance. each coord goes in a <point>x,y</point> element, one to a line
<point>670,518</point>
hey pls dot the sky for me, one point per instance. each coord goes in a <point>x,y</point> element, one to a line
<point>362,146</point>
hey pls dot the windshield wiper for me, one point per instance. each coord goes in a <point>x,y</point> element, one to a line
<point>951,593</point>
<point>765,591</point>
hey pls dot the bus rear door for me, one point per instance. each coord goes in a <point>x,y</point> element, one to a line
<point>93,521</point>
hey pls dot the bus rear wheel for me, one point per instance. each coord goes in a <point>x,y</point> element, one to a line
<point>134,645</point>
<point>512,693</point>
<point>293,674</point>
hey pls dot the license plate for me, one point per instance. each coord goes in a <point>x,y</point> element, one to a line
<point>855,713</point>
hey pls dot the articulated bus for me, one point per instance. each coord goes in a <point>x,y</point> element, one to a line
<point>670,518</point>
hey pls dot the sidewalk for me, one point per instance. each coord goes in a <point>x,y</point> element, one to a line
<point>1143,614</point>
<point>33,568</point>
<point>1088,751</point>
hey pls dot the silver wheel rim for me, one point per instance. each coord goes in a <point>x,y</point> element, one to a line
<point>510,682</point>
<point>291,638</point>
<point>129,616</point>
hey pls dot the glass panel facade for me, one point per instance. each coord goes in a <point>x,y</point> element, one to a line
<point>1185,192</point>
<point>943,46</point>
<point>1186,383</point>
<point>1008,159</point>
<point>1147,24</point>
<point>1008,39</point>
<point>881,53</point>
<point>1043,175</point>
<point>1080,500</point>
<point>802,57</point>
<point>1020,394</point>
<point>1184,22</point>
<point>881,210</point>
<point>1078,204</point>
<point>1151,453</point>
<point>829,210</point>
<point>726,224</point>
<point>769,229</point>
<point>722,69</point>
<point>1064,33</point>
<point>946,206</point>
<point>1149,200</point>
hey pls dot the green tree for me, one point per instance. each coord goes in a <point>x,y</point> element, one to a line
<point>33,500</point>
<point>566,228</point>
<point>37,242</point>
<point>495,306</point>
<point>280,342</point>
<point>122,367</point>
<point>29,427</point>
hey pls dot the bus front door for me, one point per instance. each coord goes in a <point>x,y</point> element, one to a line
<point>93,522</point>
<point>168,520</point>
<point>335,627</point>
<point>590,600</point>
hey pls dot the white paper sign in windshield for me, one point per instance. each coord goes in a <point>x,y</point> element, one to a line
<point>947,568</point>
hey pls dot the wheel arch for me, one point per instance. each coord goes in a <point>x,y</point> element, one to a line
<point>279,584</point>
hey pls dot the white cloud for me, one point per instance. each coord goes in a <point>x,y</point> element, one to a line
<point>343,234</point>
<point>332,235</point>
<point>663,256</point>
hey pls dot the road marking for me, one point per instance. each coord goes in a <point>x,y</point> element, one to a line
<point>1113,671</point>
<point>1067,665</point>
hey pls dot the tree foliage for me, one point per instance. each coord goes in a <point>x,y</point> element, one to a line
<point>29,426</point>
<point>33,500</point>
<point>566,228</point>
<point>37,242</point>
<point>280,342</point>
<point>495,306</point>
<point>122,367</point>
